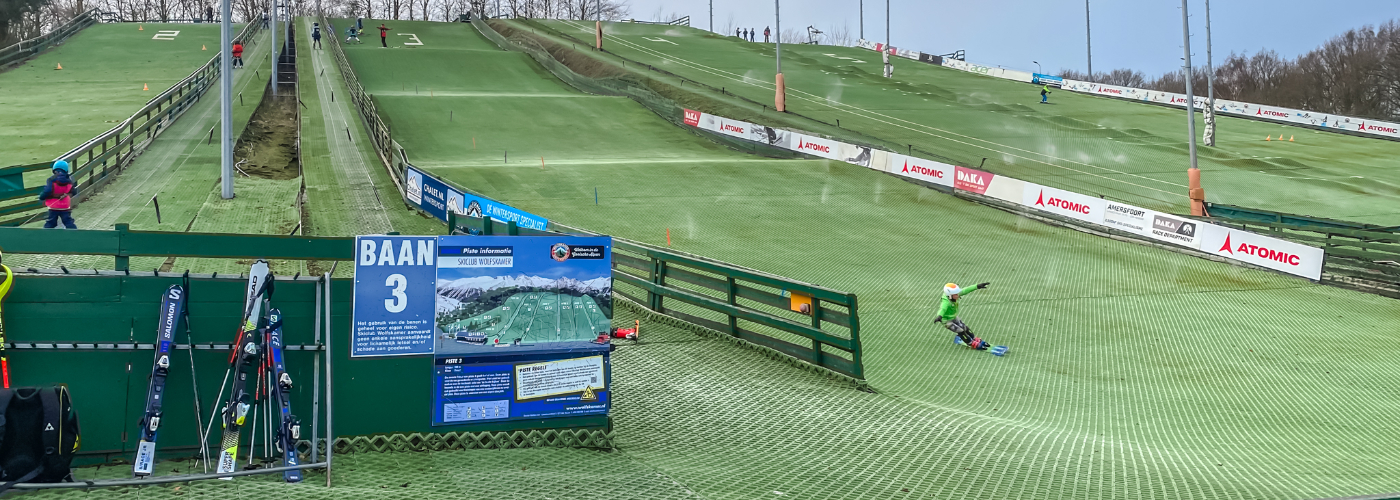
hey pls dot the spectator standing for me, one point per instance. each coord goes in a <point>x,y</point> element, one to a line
<point>315,35</point>
<point>766,32</point>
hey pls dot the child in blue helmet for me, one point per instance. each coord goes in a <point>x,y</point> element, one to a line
<point>58,195</point>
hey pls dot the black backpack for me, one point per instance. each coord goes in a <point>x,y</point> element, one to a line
<point>38,435</point>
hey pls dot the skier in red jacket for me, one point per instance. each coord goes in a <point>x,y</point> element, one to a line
<point>384,35</point>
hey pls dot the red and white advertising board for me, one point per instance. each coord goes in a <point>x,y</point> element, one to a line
<point>920,169</point>
<point>1260,250</point>
<point>815,146</point>
<point>973,180</point>
<point>692,118</point>
<point>1063,203</point>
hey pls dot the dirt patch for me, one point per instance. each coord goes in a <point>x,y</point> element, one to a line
<point>268,146</point>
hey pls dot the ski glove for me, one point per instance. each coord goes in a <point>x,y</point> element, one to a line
<point>983,285</point>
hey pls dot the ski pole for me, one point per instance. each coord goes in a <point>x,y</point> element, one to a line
<point>194,380</point>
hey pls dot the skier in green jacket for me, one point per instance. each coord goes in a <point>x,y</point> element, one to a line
<point>948,314</point>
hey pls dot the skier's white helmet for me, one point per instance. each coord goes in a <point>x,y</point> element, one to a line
<point>951,289</point>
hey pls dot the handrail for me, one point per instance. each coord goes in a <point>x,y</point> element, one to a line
<point>744,297</point>
<point>18,51</point>
<point>122,243</point>
<point>111,151</point>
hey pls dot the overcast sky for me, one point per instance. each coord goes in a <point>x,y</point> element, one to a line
<point>1140,34</point>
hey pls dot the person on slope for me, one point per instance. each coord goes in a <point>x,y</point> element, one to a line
<point>766,32</point>
<point>384,35</point>
<point>58,195</point>
<point>1045,94</point>
<point>315,35</point>
<point>948,315</point>
<point>237,61</point>
<point>352,35</point>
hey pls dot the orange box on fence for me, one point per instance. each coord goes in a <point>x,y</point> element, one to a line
<point>800,303</point>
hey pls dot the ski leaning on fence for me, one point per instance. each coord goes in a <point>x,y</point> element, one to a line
<point>172,308</point>
<point>290,429</point>
<point>241,361</point>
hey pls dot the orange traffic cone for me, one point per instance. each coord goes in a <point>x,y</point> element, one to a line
<point>60,66</point>
<point>201,47</point>
<point>145,87</point>
<point>140,28</point>
<point>1269,137</point>
<point>1290,138</point>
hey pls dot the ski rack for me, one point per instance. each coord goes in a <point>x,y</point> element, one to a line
<point>322,324</point>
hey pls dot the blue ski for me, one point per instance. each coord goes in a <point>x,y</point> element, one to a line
<point>172,307</point>
<point>290,429</point>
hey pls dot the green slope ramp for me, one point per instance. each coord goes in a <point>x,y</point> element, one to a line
<point>1128,151</point>
<point>1135,372</point>
<point>105,67</point>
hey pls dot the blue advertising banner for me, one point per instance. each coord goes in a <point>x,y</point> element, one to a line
<point>524,293</point>
<point>436,198</point>
<point>538,385</point>
<point>393,311</point>
<point>1051,80</point>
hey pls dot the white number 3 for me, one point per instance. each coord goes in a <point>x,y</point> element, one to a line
<point>400,301</point>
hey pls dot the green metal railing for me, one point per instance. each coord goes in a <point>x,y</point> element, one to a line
<point>25,49</point>
<point>123,243</point>
<point>98,160</point>
<point>744,303</point>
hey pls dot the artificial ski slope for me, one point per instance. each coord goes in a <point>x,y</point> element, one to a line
<point>1122,150</point>
<point>1135,372</point>
<point>105,67</point>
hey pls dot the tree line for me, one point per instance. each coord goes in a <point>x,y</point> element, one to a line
<point>24,19</point>
<point>1356,74</point>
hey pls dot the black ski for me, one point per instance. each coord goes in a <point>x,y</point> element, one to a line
<point>172,308</point>
<point>290,429</point>
<point>243,358</point>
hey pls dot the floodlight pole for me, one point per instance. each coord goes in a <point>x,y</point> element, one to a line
<point>226,99</point>
<point>862,19</point>
<point>1210,81</point>
<point>780,98</point>
<point>1088,40</point>
<point>1193,175</point>
<point>712,16</point>
<point>889,66</point>
<point>272,25</point>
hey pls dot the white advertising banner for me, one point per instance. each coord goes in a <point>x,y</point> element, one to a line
<point>1006,189</point>
<point>1152,224</point>
<point>1063,203</point>
<point>1260,250</point>
<point>920,169</point>
<point>853,154</point>
<point>815,146</point>
<point>1020,76</point>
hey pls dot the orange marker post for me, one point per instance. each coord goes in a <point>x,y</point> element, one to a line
<point>473,143</point>
<point>668,236</point>
<point>541,163</point>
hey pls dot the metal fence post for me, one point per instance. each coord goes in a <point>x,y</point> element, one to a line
<point>816,323</point>
<point>733,301</point>
<point>123,261</point>
<point>856,363</point>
